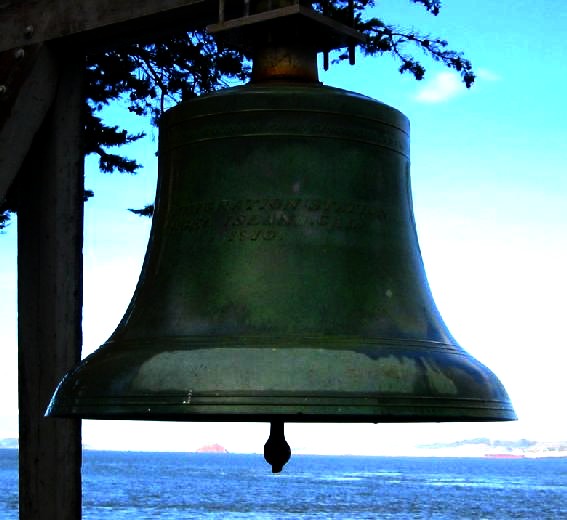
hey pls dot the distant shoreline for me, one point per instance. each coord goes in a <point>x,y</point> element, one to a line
<point>474,448</point>
<point>332,455</point>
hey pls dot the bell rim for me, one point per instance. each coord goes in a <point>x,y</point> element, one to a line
<point>328,409</point>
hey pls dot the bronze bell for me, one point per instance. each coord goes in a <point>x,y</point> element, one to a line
<point>283,279</point>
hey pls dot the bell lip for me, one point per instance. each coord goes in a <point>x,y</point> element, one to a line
<point>288,418</point>
<point>264,408</point>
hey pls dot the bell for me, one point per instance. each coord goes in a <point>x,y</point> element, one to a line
<point>283,279</point>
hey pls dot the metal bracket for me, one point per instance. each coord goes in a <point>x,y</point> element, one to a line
<point>243,27</point>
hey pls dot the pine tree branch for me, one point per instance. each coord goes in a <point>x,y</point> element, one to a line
<point>151,77</point>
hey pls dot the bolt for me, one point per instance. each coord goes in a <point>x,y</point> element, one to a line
<point>3,90</point>
<point>28,31</point>
<point>19,54</point>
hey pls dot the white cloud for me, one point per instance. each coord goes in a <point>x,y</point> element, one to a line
<point>487,75</point>
<point>441,87</point>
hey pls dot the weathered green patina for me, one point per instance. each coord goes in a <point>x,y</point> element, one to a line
<point>283,280</point>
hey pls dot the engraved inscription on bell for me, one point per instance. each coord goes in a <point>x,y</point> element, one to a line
<point>254,219</point>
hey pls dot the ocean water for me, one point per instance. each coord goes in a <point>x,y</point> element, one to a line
<point>175,486</point>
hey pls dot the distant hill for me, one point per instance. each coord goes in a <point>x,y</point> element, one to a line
<point>488,447</point>
<point>11,444</point>
<point>212,448</point>
<point>519,444</point>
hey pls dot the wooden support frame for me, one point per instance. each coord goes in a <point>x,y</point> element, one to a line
<point>25,22</point>
<point>50,235</point>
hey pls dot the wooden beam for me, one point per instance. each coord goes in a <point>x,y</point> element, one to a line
<point>34,21</point>
<point>29,80</point>
<point>50,225</point>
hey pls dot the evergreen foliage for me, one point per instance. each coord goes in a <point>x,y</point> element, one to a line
<point>152,77</point>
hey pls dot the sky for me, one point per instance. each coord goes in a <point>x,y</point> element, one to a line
<point>489,187</point>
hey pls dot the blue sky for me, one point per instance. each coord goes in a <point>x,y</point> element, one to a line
<point>489,179</point>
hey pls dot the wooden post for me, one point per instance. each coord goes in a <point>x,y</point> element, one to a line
<point>50,225</point>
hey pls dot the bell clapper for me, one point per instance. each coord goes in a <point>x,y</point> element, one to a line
<point>276,450</point>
